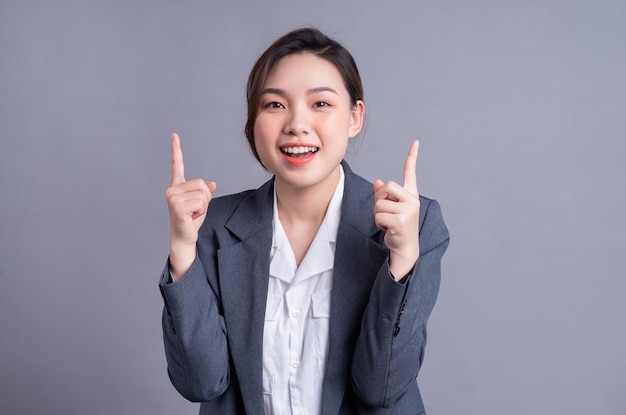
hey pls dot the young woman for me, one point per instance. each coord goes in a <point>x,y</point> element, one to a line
<point>310,294</point>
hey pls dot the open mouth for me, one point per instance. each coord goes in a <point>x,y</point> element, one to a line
<point>299,155</point>
<point>299,151</point>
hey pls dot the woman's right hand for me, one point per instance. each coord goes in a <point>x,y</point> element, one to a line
<point>187,202</point>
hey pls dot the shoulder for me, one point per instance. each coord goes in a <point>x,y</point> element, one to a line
<point>224,206</point>
<point>246,206</point>
<point>359,195</point>
<point>433,229</point>
<point>362,190</point>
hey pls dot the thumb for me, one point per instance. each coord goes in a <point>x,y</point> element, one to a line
<point>378,184</point>
<point>212,185</point>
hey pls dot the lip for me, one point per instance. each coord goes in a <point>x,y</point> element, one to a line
<point>298,159</point>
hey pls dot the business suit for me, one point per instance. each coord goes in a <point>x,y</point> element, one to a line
<point>213,317</point>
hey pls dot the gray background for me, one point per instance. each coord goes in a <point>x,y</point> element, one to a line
<point>520,107</point>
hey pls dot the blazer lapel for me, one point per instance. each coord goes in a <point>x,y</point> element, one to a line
<point>359,252</point>
<point>244,275</point>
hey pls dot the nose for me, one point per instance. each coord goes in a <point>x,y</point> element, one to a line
<point>298,122</point>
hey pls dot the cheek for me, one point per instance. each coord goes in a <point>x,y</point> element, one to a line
<point>263,137</point>
<point>338,124</point>
<point>263,127</point>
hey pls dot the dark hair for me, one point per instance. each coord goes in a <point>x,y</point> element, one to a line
<point>305,40</point>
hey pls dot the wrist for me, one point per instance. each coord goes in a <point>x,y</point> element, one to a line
<point>400,267</point>
<point>181,259</point>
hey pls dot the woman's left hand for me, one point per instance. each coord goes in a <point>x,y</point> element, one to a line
<point>396,211</point>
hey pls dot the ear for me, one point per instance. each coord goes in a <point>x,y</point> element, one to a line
<point>356,118</point>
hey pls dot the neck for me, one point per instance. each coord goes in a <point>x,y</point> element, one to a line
<point>309,204</point>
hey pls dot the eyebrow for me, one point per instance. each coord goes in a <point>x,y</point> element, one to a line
<point>282,92</point>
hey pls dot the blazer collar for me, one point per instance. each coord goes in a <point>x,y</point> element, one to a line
<point>358,203</point>
<point>255,212</point>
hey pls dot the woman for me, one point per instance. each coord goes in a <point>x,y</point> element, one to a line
<point>311,294</point>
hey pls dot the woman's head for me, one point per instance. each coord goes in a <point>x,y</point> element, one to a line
<point>307,40</point>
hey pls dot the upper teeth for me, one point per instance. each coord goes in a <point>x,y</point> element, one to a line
<point>299,150</point>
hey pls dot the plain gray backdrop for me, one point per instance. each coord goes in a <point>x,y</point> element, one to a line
<point>520,107</point>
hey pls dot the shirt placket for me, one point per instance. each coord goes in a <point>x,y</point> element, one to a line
<point>295,302</point>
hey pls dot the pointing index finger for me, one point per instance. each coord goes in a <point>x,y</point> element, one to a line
<point>410,177</point>
<point>178,166</point>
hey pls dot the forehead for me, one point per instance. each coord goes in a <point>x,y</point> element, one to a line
<point>304,70</point>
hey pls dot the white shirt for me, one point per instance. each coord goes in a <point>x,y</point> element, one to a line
<point>295,334</point>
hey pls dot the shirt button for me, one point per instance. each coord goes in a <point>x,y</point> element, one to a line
<point>296,314</point>
<point>295,364</point>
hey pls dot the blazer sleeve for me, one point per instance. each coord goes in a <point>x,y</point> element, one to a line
<point>390,347</point>
<point>194,335</point>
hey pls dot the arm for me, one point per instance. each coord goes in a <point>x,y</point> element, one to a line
<point>390,347</point>
<point>194,332</point>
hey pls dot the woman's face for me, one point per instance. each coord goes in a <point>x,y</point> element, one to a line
<point>304,121</point>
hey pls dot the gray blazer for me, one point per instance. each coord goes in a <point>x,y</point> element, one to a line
<point>213,317</point>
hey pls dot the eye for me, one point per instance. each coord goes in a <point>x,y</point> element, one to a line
<point>321,104</point>
<point>273,105</point>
